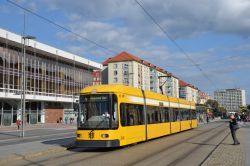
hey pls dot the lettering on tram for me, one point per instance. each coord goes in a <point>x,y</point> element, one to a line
<point>118,115</point>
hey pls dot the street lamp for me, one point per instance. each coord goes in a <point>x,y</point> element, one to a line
<point>163,82</point>
<point>25,38</point>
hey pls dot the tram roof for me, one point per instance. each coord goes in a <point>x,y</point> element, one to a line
<point>118,88</point>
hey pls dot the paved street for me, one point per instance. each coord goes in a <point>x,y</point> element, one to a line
<point>38,139</point>
<point>210,144</point>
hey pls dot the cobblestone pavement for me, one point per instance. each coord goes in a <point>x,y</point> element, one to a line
<point>230,155</point>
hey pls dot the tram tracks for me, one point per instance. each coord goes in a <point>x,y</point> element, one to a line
<point>178,143</point>
<point>192,150</point>
<point>155,153</point>
<point>87,155</point>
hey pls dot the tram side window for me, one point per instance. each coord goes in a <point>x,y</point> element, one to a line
<point>189,114</point>
<point>171,115</point>
<point>184,114</point>
<point>150,114</point>
<point>193,114</point>
<point>123,115</point>
<point>176,115</point>
<point>157,112</point>
<point>153,115</point>
<point>131,114</point>
<point>166,114</point>
<point>162,115</point>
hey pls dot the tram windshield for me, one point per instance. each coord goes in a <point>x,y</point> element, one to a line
<point>98,111</point>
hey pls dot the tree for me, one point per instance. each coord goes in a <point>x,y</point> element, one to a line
<point>213,106</point>
<point>222,112</point>
<point>243,109</point>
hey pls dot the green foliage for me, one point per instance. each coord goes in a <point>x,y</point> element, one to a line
<point>222,109</point>
<point>212,103</point>
<point>213,107</point>
<point>243,109</point>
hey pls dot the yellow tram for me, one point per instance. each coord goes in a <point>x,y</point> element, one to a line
<point>118,115</point>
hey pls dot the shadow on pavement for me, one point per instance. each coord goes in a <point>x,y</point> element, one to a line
<point>64,142</point>
<point>10,134</point>
<point>69,143</point>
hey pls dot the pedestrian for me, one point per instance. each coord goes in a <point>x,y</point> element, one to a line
<point>207,118</point>
<point>18,123</point>
<point>66,120</point>
<point>233,125</point>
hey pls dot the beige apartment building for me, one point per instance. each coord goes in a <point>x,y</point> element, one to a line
<point>203,97</point>
<point>188,91</point>
<point>130,70</point>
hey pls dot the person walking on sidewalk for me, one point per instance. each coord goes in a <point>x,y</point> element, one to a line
<point>18,123</point>
<point>233,125</point>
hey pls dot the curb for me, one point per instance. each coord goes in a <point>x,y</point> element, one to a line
<point>17,157</point>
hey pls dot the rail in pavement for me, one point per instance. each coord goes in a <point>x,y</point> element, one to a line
<point>225,154</point>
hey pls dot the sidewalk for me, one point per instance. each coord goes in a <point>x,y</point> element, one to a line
<point>30,149</point>
<point>211,121</point>
<point>39,126</point>
<point>227,154</point>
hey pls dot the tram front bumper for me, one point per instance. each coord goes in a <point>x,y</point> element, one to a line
<point>97,143</point>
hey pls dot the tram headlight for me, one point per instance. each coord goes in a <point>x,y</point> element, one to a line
<point>78,135</point>
<point>104,135</point>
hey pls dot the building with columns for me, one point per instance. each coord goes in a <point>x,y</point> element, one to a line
<point>54,79</point>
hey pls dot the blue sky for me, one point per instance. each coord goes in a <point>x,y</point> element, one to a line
<point>214,33</point>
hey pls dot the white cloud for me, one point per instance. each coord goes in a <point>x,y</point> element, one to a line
<point>123,26</point>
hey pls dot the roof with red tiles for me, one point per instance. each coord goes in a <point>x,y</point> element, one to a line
<point>183,84</point>
<point>124,56</point>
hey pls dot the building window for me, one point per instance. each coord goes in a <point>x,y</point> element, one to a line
<point>115,80</point>
<point>115,66</point>
<point>115,73</point>
<point>125,73</point>
<point>125,66</point>
<point>125,81</point>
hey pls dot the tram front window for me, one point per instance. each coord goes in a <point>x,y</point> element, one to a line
<point>98,111</point>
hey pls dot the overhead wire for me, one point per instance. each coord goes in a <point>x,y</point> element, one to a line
<point>61,26</point>
<point>174,42</point>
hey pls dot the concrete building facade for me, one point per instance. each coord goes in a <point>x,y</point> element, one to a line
<point>53,80</point>
<point>231,99</point>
